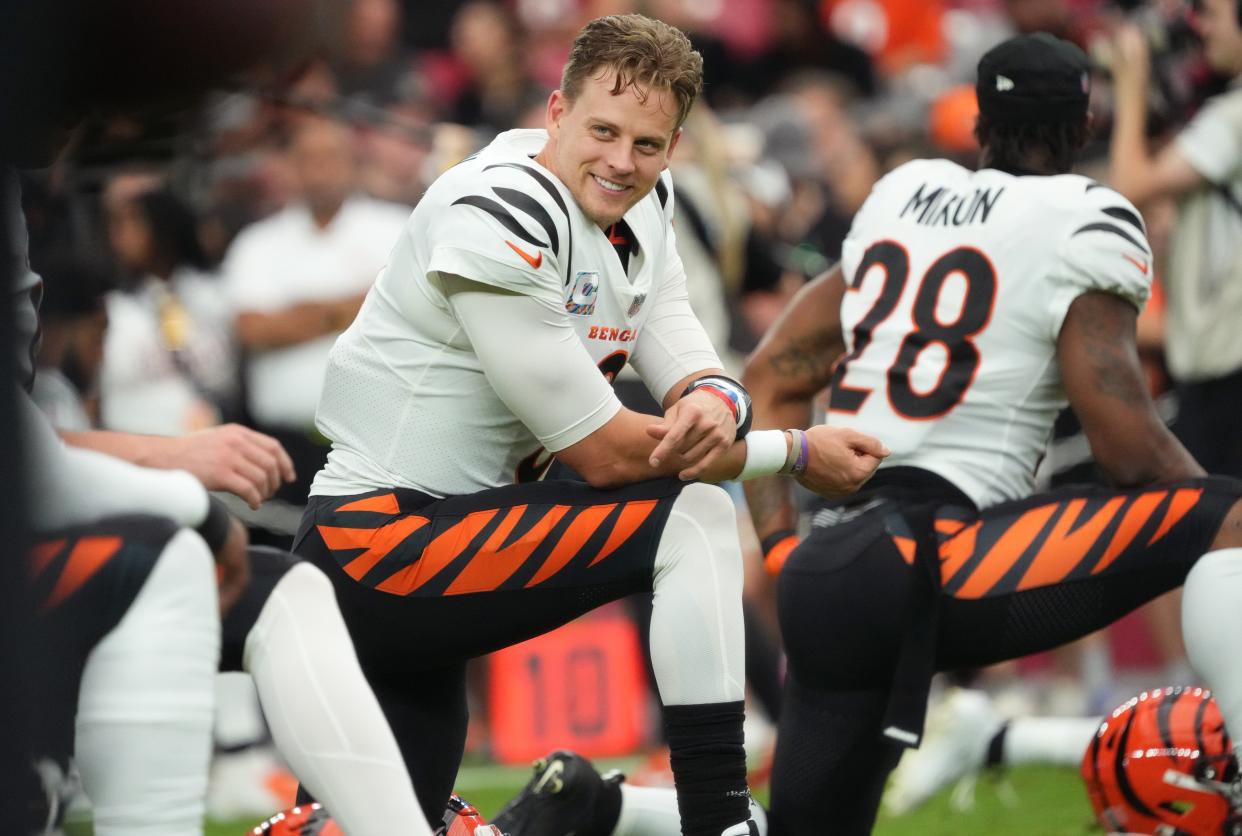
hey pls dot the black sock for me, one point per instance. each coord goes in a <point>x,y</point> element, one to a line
<point>709,766</point>
<point>996,749</point>
<point>605,811</point>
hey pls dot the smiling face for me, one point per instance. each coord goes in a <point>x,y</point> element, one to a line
<point>610,149</point>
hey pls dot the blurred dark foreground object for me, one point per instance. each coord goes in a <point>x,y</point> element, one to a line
<point>62,60</point>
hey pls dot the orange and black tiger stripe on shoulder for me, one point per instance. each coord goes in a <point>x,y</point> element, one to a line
<point>1054,538</point>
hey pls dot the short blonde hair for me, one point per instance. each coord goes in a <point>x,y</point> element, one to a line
<point>643,52</point>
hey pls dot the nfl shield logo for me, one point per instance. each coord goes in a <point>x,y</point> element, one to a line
<point>636,305</point>
<point>581,300</point>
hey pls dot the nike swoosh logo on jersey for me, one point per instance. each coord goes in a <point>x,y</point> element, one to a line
<point>1141,265</point>
<point>532,260</point>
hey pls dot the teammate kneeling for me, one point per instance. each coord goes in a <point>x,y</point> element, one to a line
<point>968,307</point>
<point>528,276</point>
<point>128,628</point>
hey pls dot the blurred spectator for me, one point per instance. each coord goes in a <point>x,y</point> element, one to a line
<point>297,279</point>
<point>897,34</point>
<point>1202,167</point>
<point>72,321</point>
<point>426,23</point>
<point>169,363</point>
<point>830,169</point>
<point>372,63</point>
<point>802,43</point>
<point>843,160</point>
<point>712,223</point>
<point>395,147</point>
<point>488,43</point>
<point>1080,21</point>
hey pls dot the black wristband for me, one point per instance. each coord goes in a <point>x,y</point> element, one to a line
<point>215,529</point>
<point>767,543</point>
<point>732,387</point>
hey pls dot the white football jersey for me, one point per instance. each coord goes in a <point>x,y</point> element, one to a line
<point>958,283</point>
<point>406,400</point>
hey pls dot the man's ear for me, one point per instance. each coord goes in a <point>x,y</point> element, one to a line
<point>557,106</point>
<point>671,146</point>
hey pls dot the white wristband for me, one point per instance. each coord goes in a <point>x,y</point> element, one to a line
<point>766,451</point>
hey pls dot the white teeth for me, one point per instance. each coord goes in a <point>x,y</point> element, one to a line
<point>608,184</point>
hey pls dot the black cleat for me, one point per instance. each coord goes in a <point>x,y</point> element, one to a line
<point>564,797</point>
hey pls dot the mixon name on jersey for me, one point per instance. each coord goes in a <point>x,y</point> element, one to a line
<point>941,207</point>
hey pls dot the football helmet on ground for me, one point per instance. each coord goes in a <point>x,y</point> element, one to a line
<point>1162,763</point>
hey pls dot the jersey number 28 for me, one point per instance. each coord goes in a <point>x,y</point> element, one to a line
<point>926,329</point>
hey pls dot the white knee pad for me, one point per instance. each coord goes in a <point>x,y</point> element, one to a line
<point>1212,628</point>
<point>698,642</point>
<point>145,705</point>
<point>323,716</point>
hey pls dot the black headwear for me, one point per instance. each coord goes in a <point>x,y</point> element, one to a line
<point>1034,78</point>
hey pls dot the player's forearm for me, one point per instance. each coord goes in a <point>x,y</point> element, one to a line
<point>145,450</point>
<point>1154,458</point>
<point>1130,166</point>
<point>771,504</point>
<point>71,485</point>
<point>619,453</point>
<point>297,324</point>
<point>728,465</point>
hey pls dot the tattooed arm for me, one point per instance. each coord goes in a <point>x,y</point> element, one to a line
<point>1104,381</point>
<point>792,364</point>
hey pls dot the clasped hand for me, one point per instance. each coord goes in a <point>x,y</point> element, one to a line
<point>697,429</point>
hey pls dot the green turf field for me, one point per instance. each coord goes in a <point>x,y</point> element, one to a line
<point>1049,802</point>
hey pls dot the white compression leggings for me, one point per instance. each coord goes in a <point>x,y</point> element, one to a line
<point>698,645</point>
<point>323,716</point>
<point>145,705</point>
<point>1212,628</point>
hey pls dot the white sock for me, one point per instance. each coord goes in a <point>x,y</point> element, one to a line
<point>698,644</point>
<point>239,721</point>
<point>1048,740</point>
<point>145,706</point>
<point>323,716</point>
<point>1212,629</point>
<point>652,811</point>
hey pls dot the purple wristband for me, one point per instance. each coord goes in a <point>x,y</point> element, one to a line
<point>804,455</point>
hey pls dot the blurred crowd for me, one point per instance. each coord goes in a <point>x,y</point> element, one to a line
<point>203,279</point>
